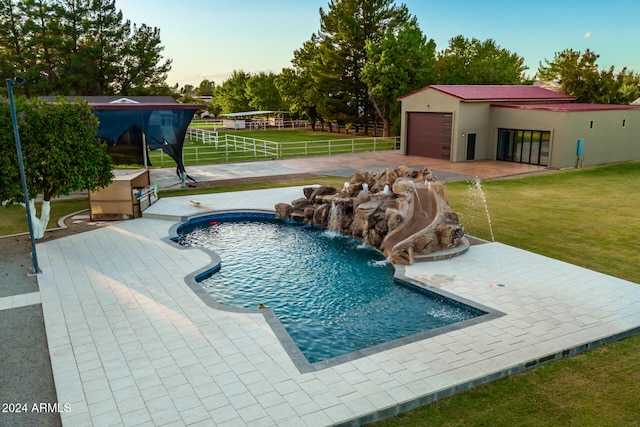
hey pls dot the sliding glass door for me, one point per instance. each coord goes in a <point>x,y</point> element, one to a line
<point>524,146</point>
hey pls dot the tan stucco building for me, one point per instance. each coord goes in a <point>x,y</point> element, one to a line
<point>525,124</point>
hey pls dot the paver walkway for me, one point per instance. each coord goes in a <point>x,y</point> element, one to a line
<point>345,165</point>
<point>131,344</point>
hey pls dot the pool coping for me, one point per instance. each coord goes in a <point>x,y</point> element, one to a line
<point>297,357</point>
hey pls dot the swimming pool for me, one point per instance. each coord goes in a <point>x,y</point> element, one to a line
<point>332,294</point>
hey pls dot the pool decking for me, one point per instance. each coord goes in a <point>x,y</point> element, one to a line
<point>131,344</point>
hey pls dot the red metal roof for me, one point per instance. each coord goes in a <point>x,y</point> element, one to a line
<point>496,93</point>
<point>569,107</point>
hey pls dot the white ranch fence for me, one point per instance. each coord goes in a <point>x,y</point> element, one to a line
<point>258,124</point>
<point>228,147</point>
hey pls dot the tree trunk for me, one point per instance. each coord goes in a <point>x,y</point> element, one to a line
<point>386,127</point>
<point>386,122</point>
<point>39,225</point>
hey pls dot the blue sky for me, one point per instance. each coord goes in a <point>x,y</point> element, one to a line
<point>208,39</point>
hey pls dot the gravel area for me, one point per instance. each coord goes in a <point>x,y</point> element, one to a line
<point>27,390</point>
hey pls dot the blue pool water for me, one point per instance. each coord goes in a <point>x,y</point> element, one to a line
<point>332,294</point>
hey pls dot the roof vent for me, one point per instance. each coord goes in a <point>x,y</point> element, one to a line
<point>124,101</point>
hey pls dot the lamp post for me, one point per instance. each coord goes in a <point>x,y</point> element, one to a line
<point>34,256</point>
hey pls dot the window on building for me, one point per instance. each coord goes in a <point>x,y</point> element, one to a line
<point>524,146</point>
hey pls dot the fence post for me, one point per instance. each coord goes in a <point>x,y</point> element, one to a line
<point>353,145</point>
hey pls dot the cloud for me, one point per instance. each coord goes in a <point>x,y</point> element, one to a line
<point>588,35</point>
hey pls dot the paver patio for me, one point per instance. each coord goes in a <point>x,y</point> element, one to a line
<point>132,344</point>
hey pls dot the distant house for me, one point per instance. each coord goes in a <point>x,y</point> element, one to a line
<point>524,124</point>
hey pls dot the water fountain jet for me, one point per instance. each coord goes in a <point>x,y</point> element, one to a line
<point>477,187</point>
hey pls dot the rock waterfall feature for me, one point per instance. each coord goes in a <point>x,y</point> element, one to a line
<point>402,212</point>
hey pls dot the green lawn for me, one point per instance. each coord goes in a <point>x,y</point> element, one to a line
<point>206,125</point>
<point>290,135</point>
<point>586,217</point>
<point>13,219</point>
<point>295,143</point>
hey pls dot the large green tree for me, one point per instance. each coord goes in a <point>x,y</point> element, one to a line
<point>13,57</point>
<point>61,152</point>
<point>141,63</point>
<point>473,62</point>
<point>74,20</point>
<point>206,88</point>
<point>78,47</point>
<point>403,61</point>
<point>42,36</point>
<point>263,94</point>
<point>345,28</point>
<point>231,96</point>
<point>579,75</point>
<point>102,47</point>
<point>630,87</point>
<point>296,84</point>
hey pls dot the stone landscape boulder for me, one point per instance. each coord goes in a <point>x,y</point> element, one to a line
<point>411,220</point>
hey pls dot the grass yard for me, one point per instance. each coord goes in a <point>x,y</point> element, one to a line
<point>586,217</point>
<point>206,124</point>
<point>289,135</point>
<point>13,219</point>
<point>245,145</point>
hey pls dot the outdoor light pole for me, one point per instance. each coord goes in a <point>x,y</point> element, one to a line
<point>16,134</point>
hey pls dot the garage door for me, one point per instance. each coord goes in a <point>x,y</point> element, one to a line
<point>429,135</point>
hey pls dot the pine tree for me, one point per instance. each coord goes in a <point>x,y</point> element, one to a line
<point>74,20</point>
<point>42,35</point>
<point>79,47</point>
<point>141,61</point>
<point>12,42</point>
<point>102,46</point>
<point>403,61</point>
<point>345,29</point>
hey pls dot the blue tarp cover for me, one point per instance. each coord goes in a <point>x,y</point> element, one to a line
<point>163,125</point>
